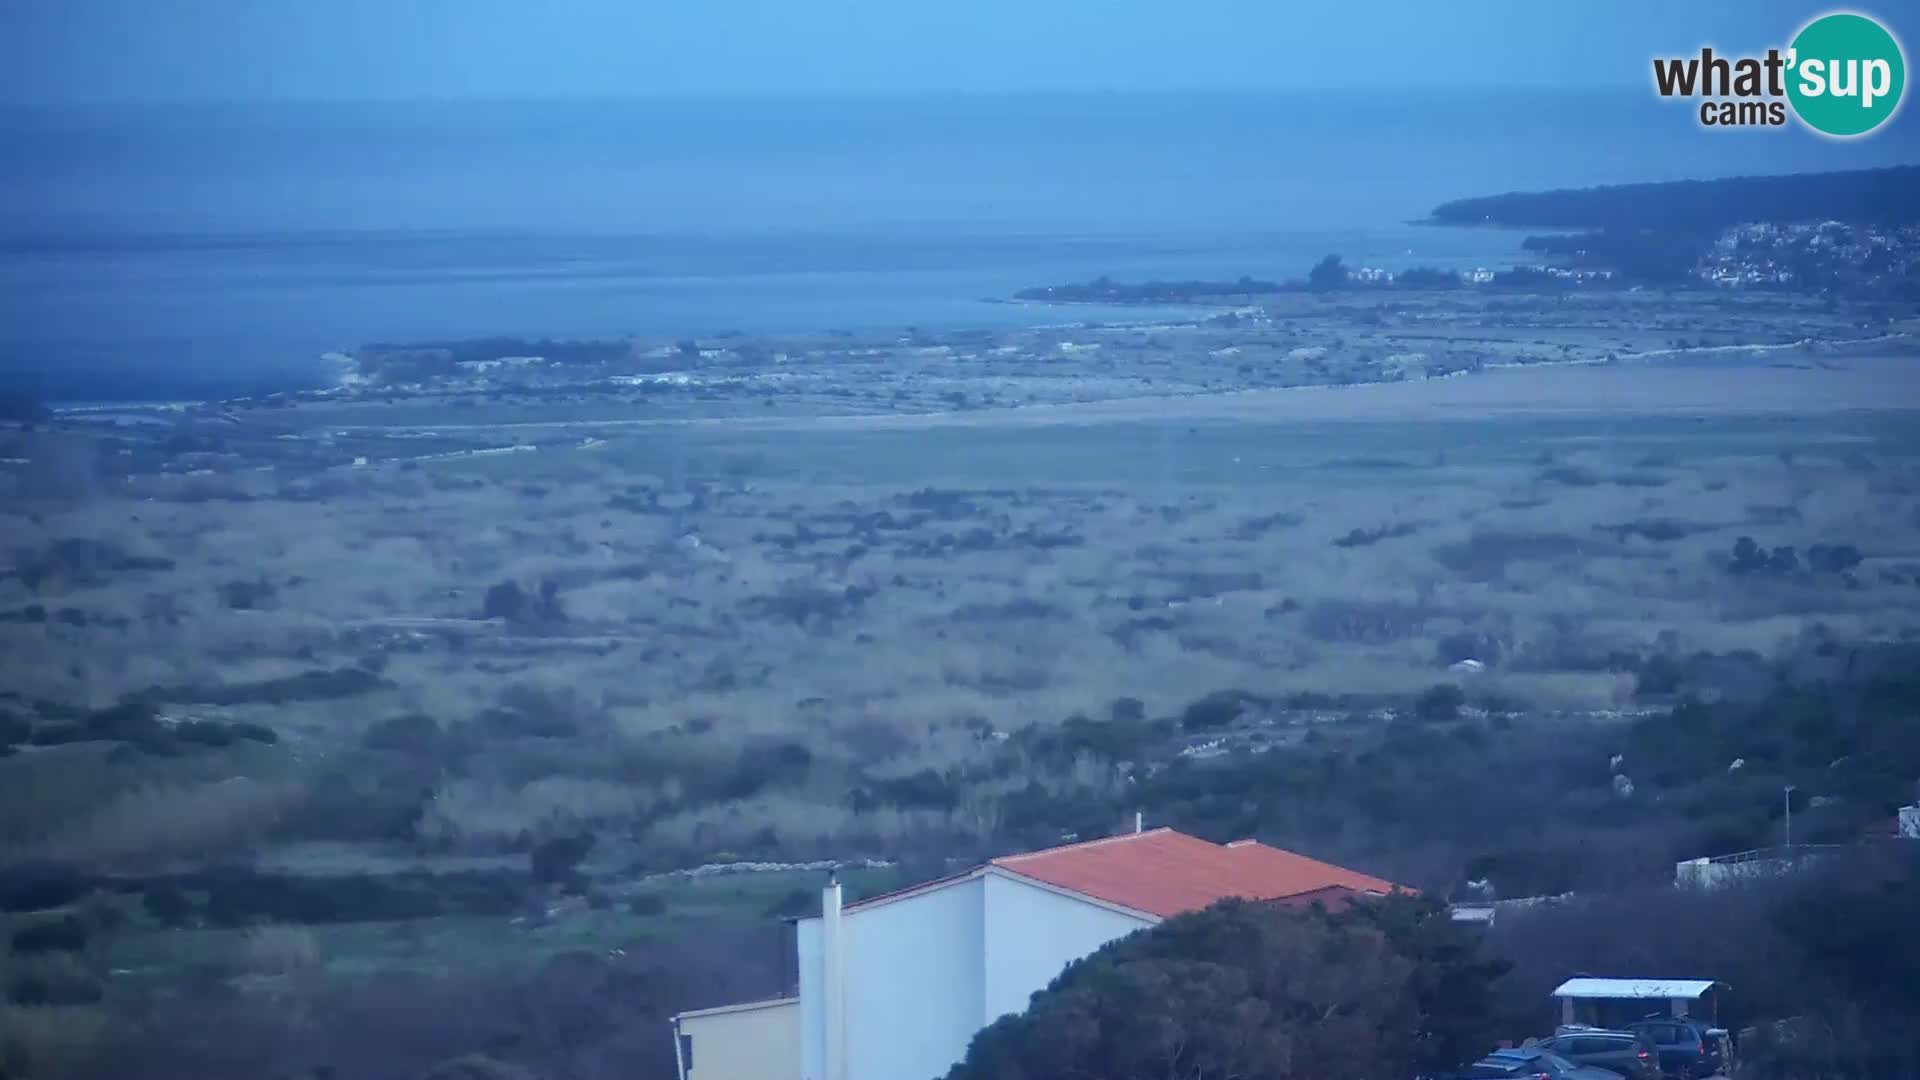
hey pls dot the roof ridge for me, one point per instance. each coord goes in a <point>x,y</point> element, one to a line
<point>1346,871</point>
<point>1096,841</point>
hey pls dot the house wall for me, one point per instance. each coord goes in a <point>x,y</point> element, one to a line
<point>747,1044</point>
<point>923,973</point>
<point>1707,873</point>
<point>914,985</point>
<point>1032,933</point>
<point>813,1016</point>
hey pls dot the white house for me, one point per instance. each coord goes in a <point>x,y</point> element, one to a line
<point>895,986</point>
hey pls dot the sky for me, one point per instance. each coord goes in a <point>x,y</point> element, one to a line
<point>153,51</point>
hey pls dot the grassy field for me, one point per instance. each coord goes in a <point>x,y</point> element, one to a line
<point>659,645</point>
<point>878,594</point>
<point>466,945</point>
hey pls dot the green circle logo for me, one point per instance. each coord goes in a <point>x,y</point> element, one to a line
<point>1846,74</point>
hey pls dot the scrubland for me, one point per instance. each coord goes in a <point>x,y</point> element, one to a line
<point>344,689</point>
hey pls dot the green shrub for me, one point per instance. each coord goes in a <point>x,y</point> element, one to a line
<point>1253,990</point>
<point>796,904</point>
<point>476,1067</point>
<point>203,733</point>
<point>242,896</point>
<point>1439,703</point>
<point>168,904</point>
<point>410,733</point>
<point>14,728</point>
<point>364,801</point>
<point>1217,710</point>
<point>558,859</point>
<point>40,887</point>
<point>64,934</point>
<point>54,978</point>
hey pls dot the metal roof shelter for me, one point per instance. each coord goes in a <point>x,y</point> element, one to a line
<point>1665,989</point>
<point>1679,994</point>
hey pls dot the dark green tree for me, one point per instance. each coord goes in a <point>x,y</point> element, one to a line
<point>1452,980</point>
<point>1439,702</point>
<point>1328,273</point>
<point>1428,277</point>
<point>18,407</point>
<point>1254,991</point>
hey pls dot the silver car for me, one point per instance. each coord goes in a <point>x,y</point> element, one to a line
<point>1533,1063</point>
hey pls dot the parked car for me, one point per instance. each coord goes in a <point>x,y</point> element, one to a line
<point>1628,1053</point>
<point>1688,1049</point>
<point>1532,1063</point>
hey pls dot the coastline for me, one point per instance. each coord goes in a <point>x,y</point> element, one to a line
<point>1209,403</point>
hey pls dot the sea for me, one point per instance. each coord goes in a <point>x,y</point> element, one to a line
<point>189,251</point>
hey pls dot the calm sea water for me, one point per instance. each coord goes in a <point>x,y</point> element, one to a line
<point>181,251</point>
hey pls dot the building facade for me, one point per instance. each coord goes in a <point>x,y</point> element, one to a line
<point>759,1040</point>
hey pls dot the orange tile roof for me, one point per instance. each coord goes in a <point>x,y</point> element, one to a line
<point>1162,872</point>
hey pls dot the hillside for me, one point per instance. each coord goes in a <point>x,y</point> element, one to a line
<point>1867,196</point>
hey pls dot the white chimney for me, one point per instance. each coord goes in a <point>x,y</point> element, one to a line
<point>833,982</point>
<point>1139,821</point>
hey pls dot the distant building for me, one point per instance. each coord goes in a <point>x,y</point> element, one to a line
<point>1712,872</point>
<point>1481,915</point>
<point>897,985</point>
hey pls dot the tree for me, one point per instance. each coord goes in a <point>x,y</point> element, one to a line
<point>1453,983</point>
<point>504,601</point>
<point>1855,952</point>
<point>1251,990</point>
<point>1833,558</point>
<point>1428,277</point>
<point>1439,702</point>
<point>20,408</point>
<point>557,861</point>
<point>1328,273</point>
<point>509,601</point>
<point>1748,557</point>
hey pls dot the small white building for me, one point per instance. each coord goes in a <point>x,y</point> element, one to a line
<point>896,985</point>
<point>758,1040</point>
<point>1713,872</point>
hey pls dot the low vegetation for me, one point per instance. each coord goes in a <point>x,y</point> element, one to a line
<point>471,722</point>
<point>1247,990</point>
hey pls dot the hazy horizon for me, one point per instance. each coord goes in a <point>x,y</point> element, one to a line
<point>360,50</point>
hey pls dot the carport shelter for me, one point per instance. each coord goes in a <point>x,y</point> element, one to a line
<point>1607,1002</point>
